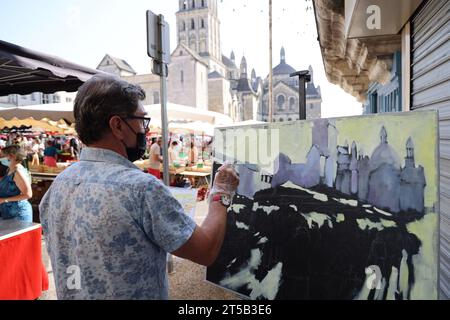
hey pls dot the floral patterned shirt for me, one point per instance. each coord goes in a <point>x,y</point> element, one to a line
<point>108,227</point>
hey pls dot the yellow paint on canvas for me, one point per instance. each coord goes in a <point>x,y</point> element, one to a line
<point>426,262</point>
<point>295,140</point>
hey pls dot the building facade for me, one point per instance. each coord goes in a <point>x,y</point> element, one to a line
<point>36,98</point>
<point>286,95</point>
<point>386,97</point>
<point>200,76</point>
<point>116,66</point>
<point>187,81</point>
<point>223,89</point>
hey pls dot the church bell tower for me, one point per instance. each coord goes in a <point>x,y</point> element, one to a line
<point>198,27</point>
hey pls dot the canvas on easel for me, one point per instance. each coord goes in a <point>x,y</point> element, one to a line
<point>346,208</point>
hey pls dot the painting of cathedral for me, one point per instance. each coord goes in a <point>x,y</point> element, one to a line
<point>346,208</point>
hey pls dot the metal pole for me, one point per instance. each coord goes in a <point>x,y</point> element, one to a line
<point>302,99</point>
<point>303,78</point>
<point>270,65</point>
<point>164,125</point>
<point>164,117</point>
<point>164,121</point>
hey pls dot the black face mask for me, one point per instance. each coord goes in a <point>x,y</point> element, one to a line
<point>136,153</point>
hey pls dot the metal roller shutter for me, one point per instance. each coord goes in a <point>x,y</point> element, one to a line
<point>430,89</point>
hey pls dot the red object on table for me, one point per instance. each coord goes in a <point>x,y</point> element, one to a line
<point>154,172</point>
<point>64,157</point>
<point>22,273</point>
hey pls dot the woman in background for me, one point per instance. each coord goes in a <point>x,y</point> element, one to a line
<point>173,153</point>
<point>15,187</point>
<point>50,153</point>
<point>35,149</point>
<point>193,154</point>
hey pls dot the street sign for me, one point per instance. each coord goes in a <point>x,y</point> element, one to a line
<point>158,48</point>
<point>158,38</point>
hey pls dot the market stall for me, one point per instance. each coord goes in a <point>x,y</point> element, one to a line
<point>187,122</point>
<point>188,170</point>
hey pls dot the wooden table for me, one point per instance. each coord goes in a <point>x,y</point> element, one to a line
<point>41,182</point>
<point>43,175</point>
<point>201,177</point>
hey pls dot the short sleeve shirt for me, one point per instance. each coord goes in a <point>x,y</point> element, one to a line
<point>50,151</point>
<point>112,224</point>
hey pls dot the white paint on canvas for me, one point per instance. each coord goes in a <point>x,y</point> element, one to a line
<point>263,240</point>
<point>241,225</point>
<point>317,218</point>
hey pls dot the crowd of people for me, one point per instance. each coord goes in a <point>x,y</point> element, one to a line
<point>19,152</point>
<point>180,153</point>
<point>44,148</point>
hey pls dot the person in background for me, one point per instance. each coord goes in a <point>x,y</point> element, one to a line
<point>209,149</point>
<point>155,158</point>
<point>35,149</point>
<point>193,154</point>
<point>41,149</point>
<point>11,138</point>
<point>15,187</point>
<point>66,149</point>
<point>2,144</point>
<point>17,140</point>
<point>74,148</point>
<point>50,154</point>
<point>173,152</point>
<point>57,144</point>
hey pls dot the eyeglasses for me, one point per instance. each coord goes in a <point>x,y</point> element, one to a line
<point>145,121</point>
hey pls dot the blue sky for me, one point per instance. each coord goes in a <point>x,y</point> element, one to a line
<point>83,31</point>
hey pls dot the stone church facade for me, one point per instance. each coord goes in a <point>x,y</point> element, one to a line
<point>201,76</point>
<point>285,95</point>
<point>226,88</point>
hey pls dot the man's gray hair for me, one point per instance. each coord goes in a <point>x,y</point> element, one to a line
<point>99,99</point>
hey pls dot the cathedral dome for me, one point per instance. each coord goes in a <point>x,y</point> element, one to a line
<point>384,154</point>
<point>283,68</point>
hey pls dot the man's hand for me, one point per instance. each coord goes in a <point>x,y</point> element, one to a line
<point>204,245</point>
<point>226,181</point>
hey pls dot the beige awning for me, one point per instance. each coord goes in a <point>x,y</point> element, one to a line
<point>196,127</point>
<point>176,113</point>
<point>54,111</point>
<point>180,113</point>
